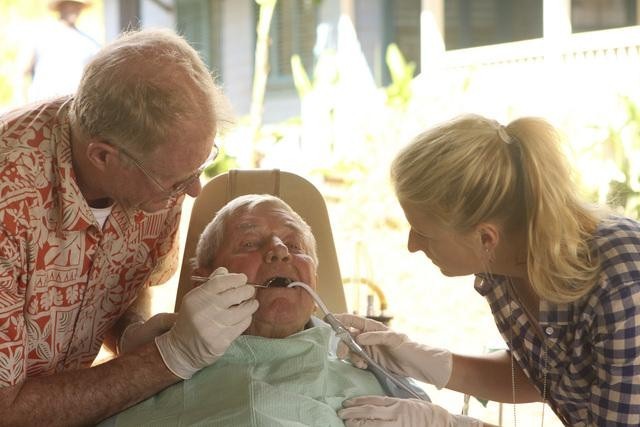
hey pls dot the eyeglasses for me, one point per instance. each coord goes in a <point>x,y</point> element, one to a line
<point>179,188</point>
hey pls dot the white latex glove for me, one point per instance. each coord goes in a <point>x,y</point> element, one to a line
<point>139,333</point>
<point>211,316</point>
<point>383,411</point>
<point>396,352</point>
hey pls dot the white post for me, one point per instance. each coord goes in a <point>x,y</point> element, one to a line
<point>431,35</point>
<point>556,18</point>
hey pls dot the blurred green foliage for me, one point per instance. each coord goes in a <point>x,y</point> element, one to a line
<point>620,151</point>
<point>325,73</point>
<point>367,126</point>
<point>14,18</point>
<point>402,72</point>
<point>221,164</point>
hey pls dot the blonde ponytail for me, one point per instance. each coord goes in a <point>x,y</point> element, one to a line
<point>560,264</point>
<point>472,169</point>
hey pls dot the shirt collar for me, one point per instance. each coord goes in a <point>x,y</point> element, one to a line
<point>74,212</point>
<point>553,318</point>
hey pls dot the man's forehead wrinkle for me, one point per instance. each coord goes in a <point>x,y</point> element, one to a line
<point>246,226</point>
<point>252,222</point>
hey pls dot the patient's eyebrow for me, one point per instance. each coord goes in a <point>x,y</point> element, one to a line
<point>248,226</point>
<point>295,227</point>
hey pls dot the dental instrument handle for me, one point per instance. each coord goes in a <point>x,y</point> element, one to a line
<point>401,382</point>
<point>372,365</point>
<point>343,334</point>
<point>202,279</point>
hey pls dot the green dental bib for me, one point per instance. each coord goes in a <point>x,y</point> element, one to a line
<point>260,382</point>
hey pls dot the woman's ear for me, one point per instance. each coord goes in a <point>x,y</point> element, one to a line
<point>488,236</point>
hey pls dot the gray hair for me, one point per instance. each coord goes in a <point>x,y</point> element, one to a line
<point>213,234</point>
<point>142,89</point>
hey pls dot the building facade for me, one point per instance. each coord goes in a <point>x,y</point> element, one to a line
<point>428,32</point>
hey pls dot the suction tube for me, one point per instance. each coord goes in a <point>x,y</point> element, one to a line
<point>343,334</point>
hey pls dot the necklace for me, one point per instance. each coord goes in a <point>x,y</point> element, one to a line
<point>512,293</point>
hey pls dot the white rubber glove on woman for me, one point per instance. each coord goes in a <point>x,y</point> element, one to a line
<point>139,333</point>
<point>383,411</point>
<point>396,352</point>
<point>211,316</point>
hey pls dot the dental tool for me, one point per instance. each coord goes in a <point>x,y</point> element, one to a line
<point>202,279</point>
<point>343,334</point>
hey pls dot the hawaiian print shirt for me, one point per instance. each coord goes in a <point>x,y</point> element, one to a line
<point>591,346</point>
<point>64,281</point>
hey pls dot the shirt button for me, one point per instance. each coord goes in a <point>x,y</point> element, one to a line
<point>548,330</point>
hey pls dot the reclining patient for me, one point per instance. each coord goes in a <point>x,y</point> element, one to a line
<point>283,370</point>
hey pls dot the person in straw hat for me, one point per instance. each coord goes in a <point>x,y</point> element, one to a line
<point>60,53</point>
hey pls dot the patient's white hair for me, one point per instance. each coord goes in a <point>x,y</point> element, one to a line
<point>213,234</point>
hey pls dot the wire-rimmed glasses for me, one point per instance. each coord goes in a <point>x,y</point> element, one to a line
<point>177,189</point>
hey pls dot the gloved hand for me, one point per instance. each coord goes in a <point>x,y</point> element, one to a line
<point>211,316</point>
<point>383,411</point>
<point>396,352</point>
<point>139,333</point>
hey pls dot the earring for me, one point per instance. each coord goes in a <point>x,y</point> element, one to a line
<point>490,254</point>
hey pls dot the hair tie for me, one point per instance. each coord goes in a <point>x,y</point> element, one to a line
<point>504,135</point>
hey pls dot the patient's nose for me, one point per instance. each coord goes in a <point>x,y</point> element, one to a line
<point>276,251</point>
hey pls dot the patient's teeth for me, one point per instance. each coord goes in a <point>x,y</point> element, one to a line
<point>277,282</point>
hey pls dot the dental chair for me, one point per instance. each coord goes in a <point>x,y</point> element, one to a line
<point>307,201</point>
<point>299,193</point>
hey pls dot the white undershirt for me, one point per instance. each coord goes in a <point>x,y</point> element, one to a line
<point>101,214</point>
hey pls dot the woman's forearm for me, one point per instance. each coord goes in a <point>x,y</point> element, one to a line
<point>490,377</point>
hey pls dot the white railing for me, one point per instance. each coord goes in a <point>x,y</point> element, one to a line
<point>614,44</point>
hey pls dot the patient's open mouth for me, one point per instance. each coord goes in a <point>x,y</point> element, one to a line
<point>277,282</point>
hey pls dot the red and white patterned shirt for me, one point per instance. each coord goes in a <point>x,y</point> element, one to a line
<point>64,281</point>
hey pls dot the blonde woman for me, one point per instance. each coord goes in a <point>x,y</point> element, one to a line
<point>562,279</point>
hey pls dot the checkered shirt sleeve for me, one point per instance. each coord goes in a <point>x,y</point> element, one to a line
<point>615,327</point>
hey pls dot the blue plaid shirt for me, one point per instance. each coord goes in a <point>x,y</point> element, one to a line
<point>593,344</point>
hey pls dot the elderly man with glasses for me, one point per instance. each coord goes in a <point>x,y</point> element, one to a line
<point>91,188</point>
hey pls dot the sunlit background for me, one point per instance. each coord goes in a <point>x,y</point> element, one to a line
<point>349,82</point>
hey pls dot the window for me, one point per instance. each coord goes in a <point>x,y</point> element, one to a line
<point>590,15</point>
<point>380,23</point>
<point>200,23</point>
<point>293,31</point>
<point>471,23</point>
<point>405,29</point>
<point>129,15</point>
